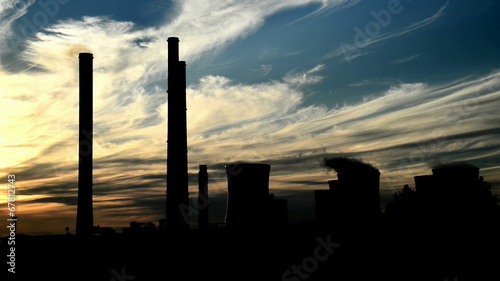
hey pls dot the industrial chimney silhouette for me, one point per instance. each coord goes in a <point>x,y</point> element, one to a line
<point>84,215</point>
<point>203,200</point>
<point>177,159</point>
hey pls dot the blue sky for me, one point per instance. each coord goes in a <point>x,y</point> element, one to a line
<point>402,85</point>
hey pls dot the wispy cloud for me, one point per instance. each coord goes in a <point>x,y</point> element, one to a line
<point>265,69</point>
<point>445,119</point>
<point>304,78</point>
<point>327,7</point>
<point>228,120</point>
<point>381,81</point>
<point>267,122</point>
<point>40,103</point>
<point>352,50</point>
<point>405,59</point>
<point>11,10</point>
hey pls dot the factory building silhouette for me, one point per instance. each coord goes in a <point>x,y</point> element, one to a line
<point>450,218</point>
<point>456,187</point>
<point>453,194</point>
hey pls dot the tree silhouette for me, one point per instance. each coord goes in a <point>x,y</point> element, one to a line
<point>403,204</point>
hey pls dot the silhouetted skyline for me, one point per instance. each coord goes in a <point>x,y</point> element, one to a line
<point>366,80</point>
<point>325,140</point>
<point>349,243</point>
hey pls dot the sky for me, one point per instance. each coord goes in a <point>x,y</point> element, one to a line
<point>402,85</point>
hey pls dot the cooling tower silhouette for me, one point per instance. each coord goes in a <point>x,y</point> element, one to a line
<point>248,194</point>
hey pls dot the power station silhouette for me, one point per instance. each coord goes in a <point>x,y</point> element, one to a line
<point>354,196</point>
<point>419,237</point>
<point>248,184</point>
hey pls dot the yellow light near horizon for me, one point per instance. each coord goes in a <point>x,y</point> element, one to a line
<point>20,198</point>
<point>44,210</point>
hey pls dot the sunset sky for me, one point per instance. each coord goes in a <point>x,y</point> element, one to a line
<point>401,85</point>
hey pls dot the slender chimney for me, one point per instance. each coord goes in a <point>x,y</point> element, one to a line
<point>177,158</point>
<point>84,215</point>
<point>203,202</point>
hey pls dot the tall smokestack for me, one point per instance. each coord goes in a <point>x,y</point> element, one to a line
<point>203,201</point>
<point>177,159</point>
<point>84,215</point>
